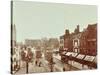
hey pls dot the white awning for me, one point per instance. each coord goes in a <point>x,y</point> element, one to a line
<point>69,53</point>
<point>95,59</point>
<point>74,54</point>
<point>80,56</point>
<point>89,58</point>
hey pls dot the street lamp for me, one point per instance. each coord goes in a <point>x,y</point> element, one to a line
<point>51,64</point>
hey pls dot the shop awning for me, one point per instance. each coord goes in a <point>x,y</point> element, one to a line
<point>89,58</point>
<point>69,53</point>
<point>74,54</point>
<point>95,60</point>
<point>80,56</point>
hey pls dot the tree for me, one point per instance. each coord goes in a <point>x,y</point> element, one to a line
<point>27,56</point>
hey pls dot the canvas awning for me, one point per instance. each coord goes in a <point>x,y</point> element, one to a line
<point>74,54</point>
<point>69,53</point>
<point>80,56</point>
<point>95,60</point>
<point>89,58</point>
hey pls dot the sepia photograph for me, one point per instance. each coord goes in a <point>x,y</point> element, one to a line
<point>52,37</point>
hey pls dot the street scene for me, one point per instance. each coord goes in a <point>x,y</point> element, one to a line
<point>47,37</point>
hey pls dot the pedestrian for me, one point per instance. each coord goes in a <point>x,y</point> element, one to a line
<point>63,68</point>
<point>36,62</point>
<point>40,64</point>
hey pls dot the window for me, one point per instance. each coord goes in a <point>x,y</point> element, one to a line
<point>75,42</point>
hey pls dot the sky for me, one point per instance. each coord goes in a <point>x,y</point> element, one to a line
<point>35,20</point>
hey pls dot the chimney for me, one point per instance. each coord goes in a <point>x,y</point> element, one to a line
<point>78,29</point>
<point>66,32</point>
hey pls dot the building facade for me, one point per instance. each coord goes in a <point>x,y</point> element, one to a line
<point>80,47</point>
<point>88,44</point>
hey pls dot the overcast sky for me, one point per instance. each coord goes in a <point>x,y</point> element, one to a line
<point>35,20</point>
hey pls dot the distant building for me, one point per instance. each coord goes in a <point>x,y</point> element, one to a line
<point>61,42</point>
<point>31,42</point>
<point>65,42</point>
<point>53,43</point>
<point>84,42</point>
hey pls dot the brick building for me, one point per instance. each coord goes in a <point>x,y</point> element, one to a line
<point>80,47</point>
<point>88,44</point>
<point>84,42</point>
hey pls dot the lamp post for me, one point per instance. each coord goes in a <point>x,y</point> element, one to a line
<point>26,59</point>
<point>51,64</point>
